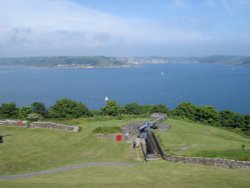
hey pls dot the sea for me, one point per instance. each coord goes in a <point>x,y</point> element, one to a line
<point>226,87</point>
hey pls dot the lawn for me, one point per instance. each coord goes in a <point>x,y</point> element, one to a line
<point>28,150</point>
<point>152,174</point>
<point>193,139</point>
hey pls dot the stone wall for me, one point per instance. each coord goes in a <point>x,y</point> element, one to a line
<point>210,161</point>
<point>48,125</point>
<point>14,123</point>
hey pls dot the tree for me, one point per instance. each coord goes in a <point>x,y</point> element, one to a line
<point>247,119</point>
<point>8,110</point>
<point>231,119</point>
<point>67,108</point>
<point>34,117</point>
<point>160,108</point>
<point>132,108</point>
<point>186,110</point>
<point>39,108</point>
<point>207,114</point>
<point>24,112</point>
<point>111,108</point>
<point>147,109</point>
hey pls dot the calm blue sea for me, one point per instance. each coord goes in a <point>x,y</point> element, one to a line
<point>223,86</point>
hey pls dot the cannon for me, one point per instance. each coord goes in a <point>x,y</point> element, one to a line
<point>149,125</point>
<point>147,134</point>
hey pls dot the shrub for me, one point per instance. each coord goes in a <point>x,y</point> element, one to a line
<point>186,110</point>
<point>24,111</point>
<point>111,108</point>
<point>34,117</point>
<point>231,119</point>
<point>8,110</point>
<point>107,130</point>
<point>68,109</point>
<point>39,108</point>
<point>133,109</point>
<point>160,108</point>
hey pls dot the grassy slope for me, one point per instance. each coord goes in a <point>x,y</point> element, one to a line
<point>152,174</point>
<point>227,59</point>
<point>192,139</point>
<point>36,149</point>
<point>29,150</point>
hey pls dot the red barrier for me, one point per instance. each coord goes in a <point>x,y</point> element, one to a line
<point>19,123</point>
<point>119,137</point>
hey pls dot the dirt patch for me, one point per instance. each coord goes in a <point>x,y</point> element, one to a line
<point>132,127</point>
<point>163,127</point>
<point>106,136</point>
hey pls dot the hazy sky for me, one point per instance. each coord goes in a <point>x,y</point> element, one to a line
<point>124,27</point>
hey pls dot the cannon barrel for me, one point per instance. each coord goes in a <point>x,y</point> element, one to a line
<point>152,146</point>
<point>151,124</point>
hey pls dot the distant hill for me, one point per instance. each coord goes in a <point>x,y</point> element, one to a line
<point>114,62</point>
<point>240,60</point>
<point>63,61</point>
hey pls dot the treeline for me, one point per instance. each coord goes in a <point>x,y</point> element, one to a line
<point>208,115</point>
<point>70,109</point>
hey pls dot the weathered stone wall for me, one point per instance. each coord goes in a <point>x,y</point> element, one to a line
<point>210,161</point>
<point>39,125</point>
<point>14,123</point>
<point>50,125</point>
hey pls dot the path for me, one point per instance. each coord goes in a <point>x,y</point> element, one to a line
<point>65,168</point>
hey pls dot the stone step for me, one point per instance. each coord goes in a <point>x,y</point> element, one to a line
<point>151,157</point>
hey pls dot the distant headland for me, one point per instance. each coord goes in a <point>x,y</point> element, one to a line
<point>116,62</point>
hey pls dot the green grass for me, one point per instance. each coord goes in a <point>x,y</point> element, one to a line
<point>193,139</point>
<point>29,150</point>
<point>153,174</point>
<point>230,154</point>
<point>107,130</point>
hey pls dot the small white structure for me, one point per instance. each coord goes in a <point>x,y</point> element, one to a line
<point>106,99</point>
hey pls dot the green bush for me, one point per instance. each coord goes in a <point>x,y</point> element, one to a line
<point>111,108</point>
<point>8,110</point>
<point>24,111</point>
<point>39,108</point>
<point>133,109</point>
<point>34,117</point>
<point>160,108</point>
<point>68,109</point>
<point>107,130</point>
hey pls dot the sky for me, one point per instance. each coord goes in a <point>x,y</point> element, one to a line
<point>124,27</point>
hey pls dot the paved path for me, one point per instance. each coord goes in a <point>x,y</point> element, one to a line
<point>65,168</point>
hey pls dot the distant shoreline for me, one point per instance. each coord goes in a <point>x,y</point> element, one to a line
<point>91,62</point>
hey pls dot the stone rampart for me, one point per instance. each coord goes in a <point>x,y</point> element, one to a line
<point>50,125</point>
<point>226,163</point>
<point>13,123</point>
